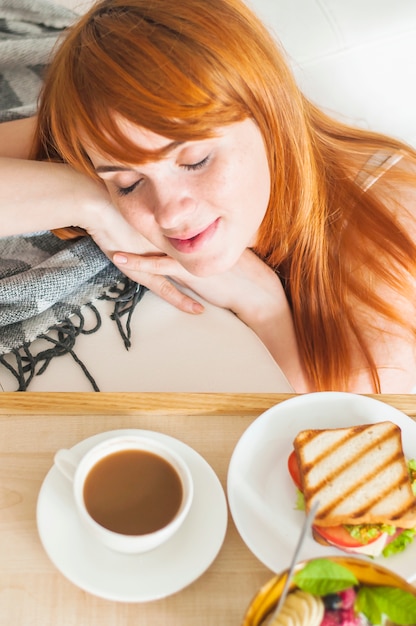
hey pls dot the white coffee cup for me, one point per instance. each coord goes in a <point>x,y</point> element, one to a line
<point>132,492</point>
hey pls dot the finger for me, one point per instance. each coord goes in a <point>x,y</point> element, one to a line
<point>153,264</point>
<point>165,289</point>
<point>154,272</point>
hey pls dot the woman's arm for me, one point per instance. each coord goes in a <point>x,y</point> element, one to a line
<point>38,196</point>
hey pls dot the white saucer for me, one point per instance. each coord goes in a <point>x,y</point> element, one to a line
<point>133,578</point>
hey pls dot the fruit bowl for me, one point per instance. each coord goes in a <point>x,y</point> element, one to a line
<point>366,572</point>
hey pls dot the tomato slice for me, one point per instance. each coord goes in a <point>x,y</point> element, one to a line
<point>293,468</point>
<point>334,534</point>
<point>341,537</point>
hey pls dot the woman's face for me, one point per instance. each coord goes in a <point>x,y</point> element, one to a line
<point>203,202</point>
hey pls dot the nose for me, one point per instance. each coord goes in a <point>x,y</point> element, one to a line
<point>172,204</point>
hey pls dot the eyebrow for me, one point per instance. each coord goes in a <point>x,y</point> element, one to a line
<point>112,168</point>
<point>122,168</point>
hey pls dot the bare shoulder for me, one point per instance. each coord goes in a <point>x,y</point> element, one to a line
<point>16,138</point>
<point>393,344</point>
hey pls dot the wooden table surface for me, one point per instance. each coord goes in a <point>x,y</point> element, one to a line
<point>34,425</point>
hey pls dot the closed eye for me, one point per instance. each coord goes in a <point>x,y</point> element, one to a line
<point>196,166</point>
<point>124,191</point>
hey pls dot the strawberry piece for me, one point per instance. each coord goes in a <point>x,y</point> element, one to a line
<point>348,598</point>
<point>331,618</point>
<point>349,618</point>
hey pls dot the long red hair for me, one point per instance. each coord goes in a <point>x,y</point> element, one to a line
<point>182,69</point>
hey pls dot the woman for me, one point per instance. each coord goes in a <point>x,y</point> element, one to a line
<point>222,176</point>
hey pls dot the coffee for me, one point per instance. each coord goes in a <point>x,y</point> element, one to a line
<point>133,492</point>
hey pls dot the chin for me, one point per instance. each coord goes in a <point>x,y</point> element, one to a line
<point>208,268</point>
<point>214,265</point>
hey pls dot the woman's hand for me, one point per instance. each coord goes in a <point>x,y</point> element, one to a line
<point>111,232</point>
<point>242,289</point>
<point>250,289</point>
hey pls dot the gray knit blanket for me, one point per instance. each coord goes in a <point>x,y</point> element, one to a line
<point>45,282</point>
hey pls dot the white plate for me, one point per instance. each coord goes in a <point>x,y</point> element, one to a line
<point>261,493</point>
<point>133,578</point>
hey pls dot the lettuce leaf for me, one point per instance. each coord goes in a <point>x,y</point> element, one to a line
<point>400,542</point>
<point>300,501</point>
<point>412,473</point>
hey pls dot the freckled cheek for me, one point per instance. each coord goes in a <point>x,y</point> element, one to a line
<point>134,212</point>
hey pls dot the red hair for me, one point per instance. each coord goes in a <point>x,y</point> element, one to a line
<point>182,69</point>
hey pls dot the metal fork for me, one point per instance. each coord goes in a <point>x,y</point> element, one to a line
<point>306,526</point>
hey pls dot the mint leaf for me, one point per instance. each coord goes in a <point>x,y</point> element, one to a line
<point>366,603</point>
<point>322,576</point>
<point>398,605</point>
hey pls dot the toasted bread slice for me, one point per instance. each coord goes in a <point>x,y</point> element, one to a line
<point>358,474</point>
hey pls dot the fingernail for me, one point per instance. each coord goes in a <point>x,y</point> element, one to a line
<point>197,308</point>
<point>119,258</point>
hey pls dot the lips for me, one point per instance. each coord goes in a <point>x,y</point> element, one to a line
<point>196,242</point>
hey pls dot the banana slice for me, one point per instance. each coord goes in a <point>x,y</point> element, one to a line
<point>312,606</point>
<point>289,615</point>
<point>284,619</point>
<point>300,609</point>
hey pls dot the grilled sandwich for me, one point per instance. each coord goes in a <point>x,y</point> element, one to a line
<point>364,485</point>
<point>359,475</point>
